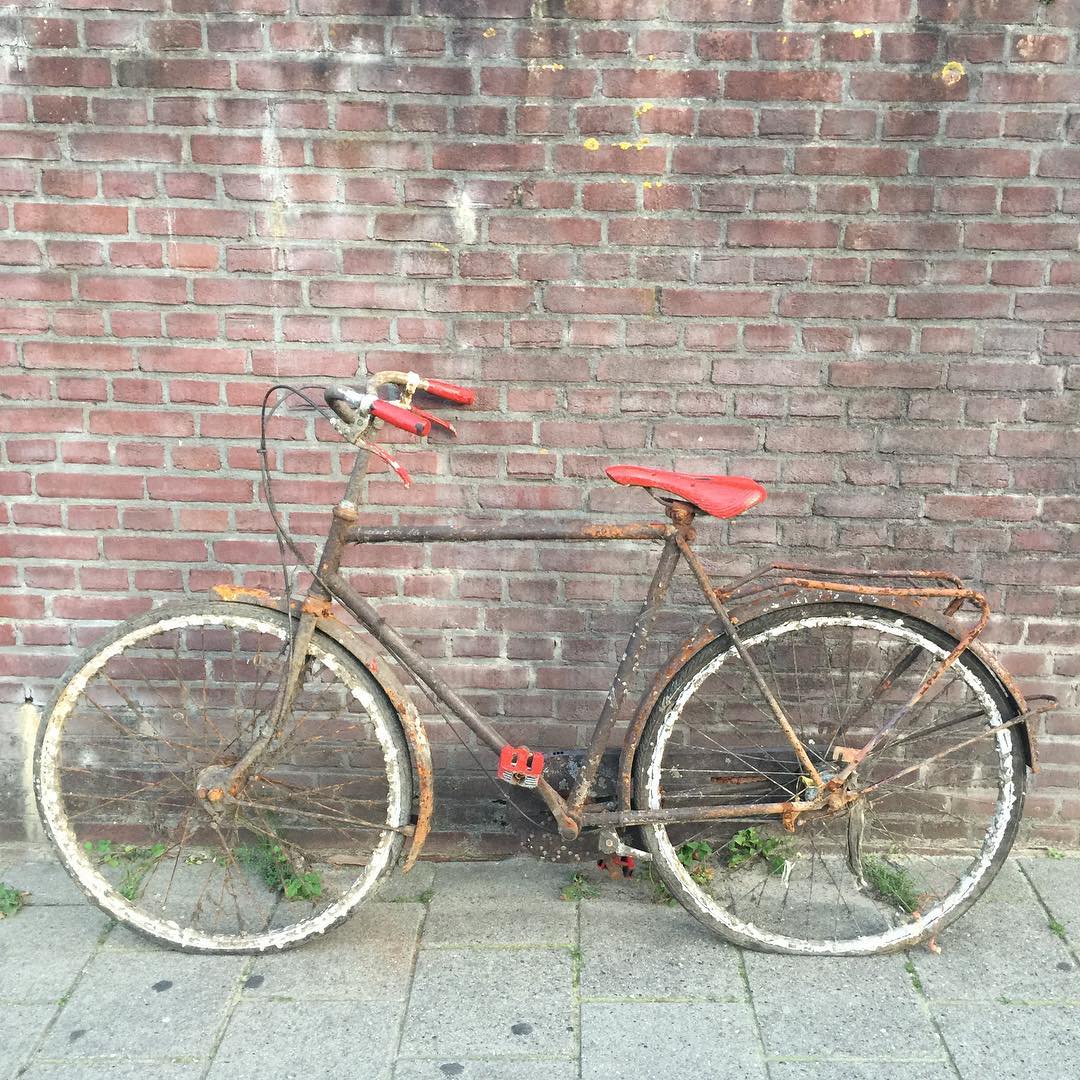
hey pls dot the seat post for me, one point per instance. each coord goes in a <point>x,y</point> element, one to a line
<point>681,513</point>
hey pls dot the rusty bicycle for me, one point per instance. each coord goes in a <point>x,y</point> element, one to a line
<point>831,764</point>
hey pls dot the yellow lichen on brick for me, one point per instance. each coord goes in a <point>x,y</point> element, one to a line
<point>863,31</point>
<point>591,144</point>
<point>643,108</point>
<point>952,73</point>
<point>490,32</point>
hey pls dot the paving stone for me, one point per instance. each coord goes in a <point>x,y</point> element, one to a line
<point>490,1003</point>
<point>36,869</point>
<point>450,1069</point>
<point>511,879</point>
<point>654,952</point>
<point>1012,950</point>
<point>856,1007</point>
<point>1057,881</point>
<point>114,1070</point>
<point>1010,1042</point>
<point>23,1025</point>
<point>397,886</point>
<point>308,1040</point>
<point>166,1003</point>
<point>537,921</point>
<point>368,958</point>
<point>869,1070</point>
<point>626,1041</point>
<point>42,949</point>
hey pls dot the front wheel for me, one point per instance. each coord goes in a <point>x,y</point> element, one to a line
<point>929,825</point>
<point>126,747</point>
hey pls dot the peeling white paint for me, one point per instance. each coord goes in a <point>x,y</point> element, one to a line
<point>99,889</point>
<point>706,907</point>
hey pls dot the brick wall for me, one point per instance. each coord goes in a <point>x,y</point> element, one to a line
<point>831,244</point>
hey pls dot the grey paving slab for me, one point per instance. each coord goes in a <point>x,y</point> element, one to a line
<point>486,1070</point>
<point>167,1004</point>
<point>114,1070</point>
<point>368,958</point>
<point>490,1003</point>
<point>1057,881</point>
<point>868,1070</point>
<point>36,870</point>
<point>536,921</point>
<point>312,1040</point>
<point>654,951</point>
<point>631,1040</point>
<point>999,951</point>
<point>412,886</point>
<point>22,1026</point>
<point>1009,1042</point>
<point>42,949</point>
<point>511,879</point>
<point>860,1008</point>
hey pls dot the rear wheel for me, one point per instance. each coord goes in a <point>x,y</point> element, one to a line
<point>903,859</point>
<point>125,749</point>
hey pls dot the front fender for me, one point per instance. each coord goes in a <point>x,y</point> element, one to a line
<point>413,726</point>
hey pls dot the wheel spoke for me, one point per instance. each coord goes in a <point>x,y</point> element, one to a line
<point>848,877</point>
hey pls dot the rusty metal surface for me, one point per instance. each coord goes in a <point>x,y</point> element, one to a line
<point>525,530</point>
<point>413,726</point>
<point>627,670</point>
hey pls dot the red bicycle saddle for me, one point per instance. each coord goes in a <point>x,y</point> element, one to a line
<point>718,496</point>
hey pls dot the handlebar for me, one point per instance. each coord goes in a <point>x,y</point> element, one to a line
<point>351,406</point>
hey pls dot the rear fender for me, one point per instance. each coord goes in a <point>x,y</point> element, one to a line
<point>413,726</point>
<point>712,630</point>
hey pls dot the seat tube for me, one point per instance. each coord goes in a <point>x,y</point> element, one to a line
<point>627,670</point>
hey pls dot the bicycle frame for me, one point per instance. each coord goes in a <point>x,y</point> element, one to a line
<point>571,813</point>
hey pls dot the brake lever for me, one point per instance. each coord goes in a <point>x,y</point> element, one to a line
<point>382,455</point>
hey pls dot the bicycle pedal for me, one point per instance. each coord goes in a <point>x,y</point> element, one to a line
<point>618,865</point>
<point>521,766</point>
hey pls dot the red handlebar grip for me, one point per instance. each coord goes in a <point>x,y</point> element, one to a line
<point>451,392</point>
<point>400,418</point>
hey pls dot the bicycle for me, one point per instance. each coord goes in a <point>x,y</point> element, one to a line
<point>827,766</point>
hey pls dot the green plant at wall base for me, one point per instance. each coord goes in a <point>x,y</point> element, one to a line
<point>892,883</point>
<point>579,887</point>
<point>135,861</point>
<point>749,844</point>
<point>271,862</point>
<point>10,899</point>
<point>1053,853</point>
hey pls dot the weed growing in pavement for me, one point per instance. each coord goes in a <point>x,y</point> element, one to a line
<point>579,887</point>
<point>11,900</point>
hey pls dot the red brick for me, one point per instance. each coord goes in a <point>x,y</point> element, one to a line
<point>805,85</point>
<point>943,305</point>
<point>851,161</point>
<point>911,236</point>
<point>56,217</point>
<point>777,233</point>
<point>140,146</point>
<point>521,82</point>
<point>174,74</point>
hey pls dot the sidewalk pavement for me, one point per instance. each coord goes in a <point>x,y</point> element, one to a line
<point>480,971</point>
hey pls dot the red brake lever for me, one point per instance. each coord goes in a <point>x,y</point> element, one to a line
<point>450,391</point>
<point>382,455</point>
<point>432,419</point>
<point>406,420</point>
